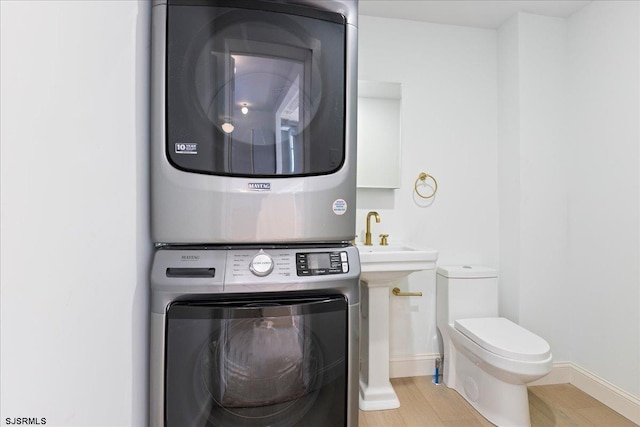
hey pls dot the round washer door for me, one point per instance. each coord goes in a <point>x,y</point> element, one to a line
<point>256,362</point>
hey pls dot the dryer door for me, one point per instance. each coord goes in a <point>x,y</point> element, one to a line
<point>265,361</point>
<point>255,89</point>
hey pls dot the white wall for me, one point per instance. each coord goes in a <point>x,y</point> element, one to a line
<point>603,42</point>
<point>75,241</point>
<point>509,186</point>
<point>569,105</point>
<point>449,114</point>
<point>533,157</point>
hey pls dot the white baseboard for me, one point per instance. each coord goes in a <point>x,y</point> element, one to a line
<point>614,397</point>
<point>561,373</point>
<point>624,403</point>
<point>412,365</point>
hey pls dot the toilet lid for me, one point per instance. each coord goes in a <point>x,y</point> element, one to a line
<point>503,337</point>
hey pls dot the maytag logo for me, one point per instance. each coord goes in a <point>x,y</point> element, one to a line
<point>259,186</point>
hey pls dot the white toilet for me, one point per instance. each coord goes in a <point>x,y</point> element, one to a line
<point>487,359</point>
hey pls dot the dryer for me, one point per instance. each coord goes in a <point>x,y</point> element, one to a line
<point>253,121</point>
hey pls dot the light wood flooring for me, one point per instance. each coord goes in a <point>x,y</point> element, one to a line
<point>422,403</point>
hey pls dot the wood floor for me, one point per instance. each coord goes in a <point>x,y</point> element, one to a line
<point>422,403</point>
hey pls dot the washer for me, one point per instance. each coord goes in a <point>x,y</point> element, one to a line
<point>255,336</point>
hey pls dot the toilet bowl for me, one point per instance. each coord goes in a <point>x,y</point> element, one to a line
<point>488,359</point>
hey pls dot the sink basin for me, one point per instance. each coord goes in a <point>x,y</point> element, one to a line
<point>387,263</point>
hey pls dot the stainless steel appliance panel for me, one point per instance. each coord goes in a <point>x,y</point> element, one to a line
<point>296,184</point>
<point>206,305</point>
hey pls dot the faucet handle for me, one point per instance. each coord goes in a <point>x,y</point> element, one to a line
<point>383,240</point>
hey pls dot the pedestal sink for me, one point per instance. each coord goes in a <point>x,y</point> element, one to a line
<point>380,266</point>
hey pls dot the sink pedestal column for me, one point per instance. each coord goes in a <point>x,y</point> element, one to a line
<point>376,392</point>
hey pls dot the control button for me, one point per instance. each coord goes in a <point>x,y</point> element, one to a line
<point>345,267</point>
<point>343,256</point>
<point>261,265</point>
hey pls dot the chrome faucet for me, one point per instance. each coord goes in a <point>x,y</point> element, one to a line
<point>367,236</point>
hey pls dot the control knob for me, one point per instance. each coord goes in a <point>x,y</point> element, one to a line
<point>261,265</point>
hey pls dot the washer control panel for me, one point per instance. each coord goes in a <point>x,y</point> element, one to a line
<point>321,263</point>
<point>286,265</point>
<point>205,272</point>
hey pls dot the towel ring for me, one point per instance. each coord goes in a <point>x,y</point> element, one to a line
<point>423,177</point>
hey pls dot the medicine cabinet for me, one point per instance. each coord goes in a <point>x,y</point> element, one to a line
<point>378,134</point>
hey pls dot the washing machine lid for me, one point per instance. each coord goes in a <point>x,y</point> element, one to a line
<point>504,338</point>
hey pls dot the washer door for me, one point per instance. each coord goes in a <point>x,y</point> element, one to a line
<point>277,362</point>
<point>255,90</point>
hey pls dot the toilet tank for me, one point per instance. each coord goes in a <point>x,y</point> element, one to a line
<point>465,291</point>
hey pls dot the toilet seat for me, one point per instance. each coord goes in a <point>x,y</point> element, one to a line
<point>504,338</point>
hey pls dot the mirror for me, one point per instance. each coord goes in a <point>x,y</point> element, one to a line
<point>378,134</point>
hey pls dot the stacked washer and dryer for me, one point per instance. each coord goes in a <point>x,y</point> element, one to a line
<point>254,282</point>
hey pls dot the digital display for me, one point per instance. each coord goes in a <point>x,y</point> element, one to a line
<point>318,261</point>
